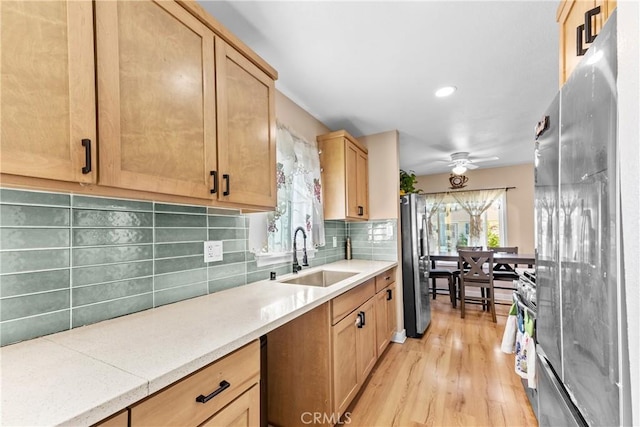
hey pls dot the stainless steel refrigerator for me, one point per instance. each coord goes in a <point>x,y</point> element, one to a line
<point>579,328</point>
<point>415,264</point>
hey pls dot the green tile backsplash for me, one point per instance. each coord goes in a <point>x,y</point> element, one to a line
<point>374,240</point>
<point>71,260</point>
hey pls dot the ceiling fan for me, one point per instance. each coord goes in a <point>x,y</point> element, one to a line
<point>461,162</point>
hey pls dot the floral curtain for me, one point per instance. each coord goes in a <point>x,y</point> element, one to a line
<point>475,203</point>
<point>299,199</point>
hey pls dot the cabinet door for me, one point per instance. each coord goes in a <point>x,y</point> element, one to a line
<point>246,130</point>
<point>571,17</point>
<point>362,194</point>
<point>242,412</point>
<point>345,355</point>
<point>47,89</point>
<point>156,99</point>
<point>382,324</point>
<point>391,310</point>
<point>366,341</point>
<point>351,177</point>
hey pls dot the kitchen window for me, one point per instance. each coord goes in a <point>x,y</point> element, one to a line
<point>451,224</point>
<point>299,202</point>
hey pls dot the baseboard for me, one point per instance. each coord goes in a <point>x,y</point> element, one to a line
<point>400,336</point>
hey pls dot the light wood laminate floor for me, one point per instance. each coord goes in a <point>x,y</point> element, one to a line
<point>455,375</point>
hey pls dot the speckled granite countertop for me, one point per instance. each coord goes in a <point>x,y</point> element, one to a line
<point>83,375</point>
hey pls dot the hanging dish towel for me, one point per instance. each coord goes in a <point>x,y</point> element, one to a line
<point>509,335</point>
<point>525,359</point>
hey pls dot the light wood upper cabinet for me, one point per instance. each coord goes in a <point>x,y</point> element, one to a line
<point>156,100</point>
<point>47,90</point>
<point>246,130</point>
<point>573,34</point>
<point>345,176</point>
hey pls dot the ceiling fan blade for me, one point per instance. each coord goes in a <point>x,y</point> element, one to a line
<point>471,166</point>
<point>484,159</point>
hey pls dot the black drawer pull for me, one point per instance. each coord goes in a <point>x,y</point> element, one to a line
<point>389,295</point>
<point>362,315</point>
<point>214,174</point>
<point>228,180</point>
<point>360,321</point>
<point>360,211</point>
<point>223,386</point>
<point>86,143</point>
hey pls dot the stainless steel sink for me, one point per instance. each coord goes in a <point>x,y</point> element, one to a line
<point>322,278</point>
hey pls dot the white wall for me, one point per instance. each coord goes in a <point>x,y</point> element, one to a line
<point>629,155</point>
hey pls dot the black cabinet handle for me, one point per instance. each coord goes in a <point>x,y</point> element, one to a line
<point>214,174</point>
<point>363,318</point>
<point>86,143</point>
<point>361,322</point>
<point>223,386</point>
<point>360,211</point>
<point>389,295</point>
<point>226,178</point>
<point>589,36</point>
<point>587,29</point>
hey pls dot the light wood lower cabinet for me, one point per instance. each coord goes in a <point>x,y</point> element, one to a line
<point>319,361</point>
<point>242,412</point>
<point>121,419</point>
<point>226,389</point>
<point>385,317</point>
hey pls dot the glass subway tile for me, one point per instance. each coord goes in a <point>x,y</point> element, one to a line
<point>180,293</point>
<point>33,216</point>
<point>164,235</point>
<point>28,283</point>
<point>111,236</point>
<point>110,204</point>
<point>226,221</point>
<point>170,250</point>
<point>21,197</point>
<point>227,283</point>
<point>180,220</point>
<point>109,273</point>
<point>162,207</point>
<point>89,314</point>
<point>111,219</point>
<point>227,233</point>
<point>179,278</point>
<point>110,254</point>
<point>32,327</point>
<point>33,238</point>
<point>227,270</point>
<point>33,304</point>
<point>33,260</point>
<point>108,291</point>
<point>169,265</point>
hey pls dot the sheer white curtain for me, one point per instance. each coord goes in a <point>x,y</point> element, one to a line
<point>299,198</point>
<point>432,204</point>
<point>476,203</point>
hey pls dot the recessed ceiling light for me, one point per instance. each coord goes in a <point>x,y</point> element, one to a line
<point>445,91</point>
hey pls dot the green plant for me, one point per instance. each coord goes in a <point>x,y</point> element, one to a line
<point>462,240</point>
<point>493,239</point>
<point>408,181</point>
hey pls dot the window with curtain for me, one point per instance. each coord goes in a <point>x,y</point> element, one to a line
<point>299,202</point>
<point>467,218</point>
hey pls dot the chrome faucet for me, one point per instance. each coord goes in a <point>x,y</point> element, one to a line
<point>305,263</point>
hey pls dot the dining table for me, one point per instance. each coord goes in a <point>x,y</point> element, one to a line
<point>498,258</point>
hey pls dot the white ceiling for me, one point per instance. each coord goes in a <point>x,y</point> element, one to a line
<point>370,67</point>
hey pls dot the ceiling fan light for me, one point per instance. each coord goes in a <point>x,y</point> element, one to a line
<point>459,169</point>
<point>445,91</point>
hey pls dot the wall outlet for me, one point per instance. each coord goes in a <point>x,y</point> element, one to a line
<point>335,242</point>
<point>213,250</point>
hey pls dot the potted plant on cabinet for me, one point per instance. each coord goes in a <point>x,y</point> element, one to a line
<point>408,181</point>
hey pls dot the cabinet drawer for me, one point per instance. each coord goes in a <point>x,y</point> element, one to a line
<point>385,279</point>
<point>177,405</point>
<point>350,300</point>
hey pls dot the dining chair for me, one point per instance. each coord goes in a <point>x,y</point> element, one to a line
<point>436,273</point>
<point>504,271</point>
<point>478,277</point>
